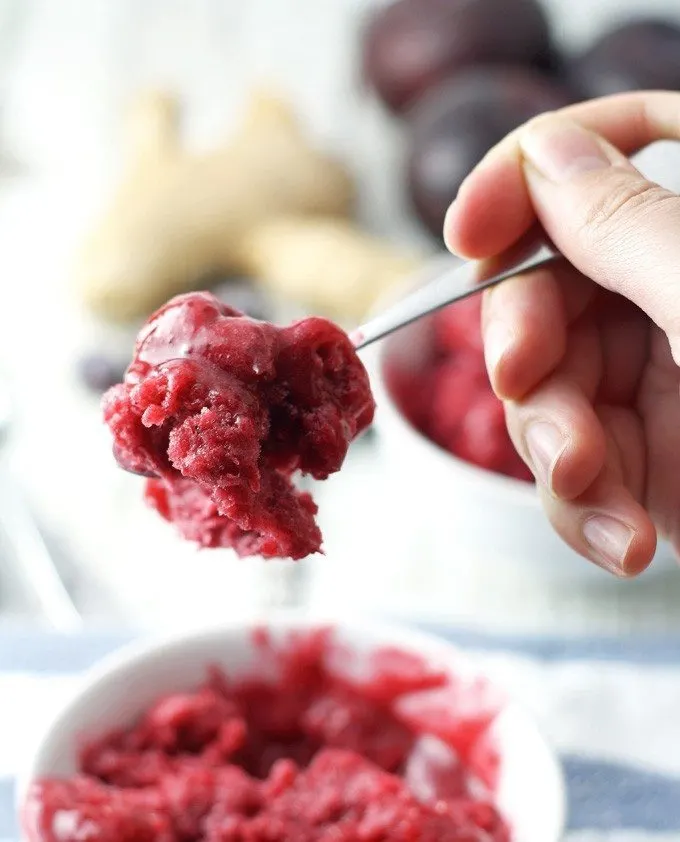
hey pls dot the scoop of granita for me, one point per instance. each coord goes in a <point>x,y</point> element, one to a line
<point>281,525</point>
<point>220,410</point>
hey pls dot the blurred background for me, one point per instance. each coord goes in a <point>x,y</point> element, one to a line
<point>296,156</point>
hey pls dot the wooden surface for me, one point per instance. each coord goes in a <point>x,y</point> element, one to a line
<point>66,69</point>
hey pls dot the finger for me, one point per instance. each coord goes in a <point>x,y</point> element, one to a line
<point>493,207</point>
<point>589,464</point>
<point>606,525</point>
<point>559,437</point>
<point>601,454</point>
<point>610,222</point>
<point>524,322</point>
<point>630,121</point>
<point>658,406</point>
<point>625,346</point>
<point>626,458</point>
<point>555,428</point>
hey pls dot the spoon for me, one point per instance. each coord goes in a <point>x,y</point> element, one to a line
<point>437,287</point>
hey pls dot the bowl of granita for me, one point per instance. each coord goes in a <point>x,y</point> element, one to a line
<point>294,731</point>
<point>445,445</point>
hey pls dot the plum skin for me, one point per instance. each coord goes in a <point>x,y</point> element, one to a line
<point>456,123</point>
<point>411,45</point>
<point>643,54</point>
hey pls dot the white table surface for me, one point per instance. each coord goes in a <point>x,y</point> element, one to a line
<point>65,70</point>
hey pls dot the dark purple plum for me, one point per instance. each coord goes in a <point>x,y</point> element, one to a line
<point>639,55</point>
<point>411,45</point>
<point>456,123</point>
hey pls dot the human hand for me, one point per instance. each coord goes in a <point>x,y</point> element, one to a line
<point>585,354</point>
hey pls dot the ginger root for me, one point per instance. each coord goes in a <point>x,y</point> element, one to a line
<point>327,264</point>
<point>179,216</point>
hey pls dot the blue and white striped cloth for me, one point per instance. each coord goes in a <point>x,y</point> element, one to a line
<point>612,708</point>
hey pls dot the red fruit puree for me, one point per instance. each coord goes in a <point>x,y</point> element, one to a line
<point>220,410</point>
<point>315,754</point>
<point>450,399</point>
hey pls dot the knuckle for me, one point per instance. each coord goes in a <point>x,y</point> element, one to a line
<point>618,206</point>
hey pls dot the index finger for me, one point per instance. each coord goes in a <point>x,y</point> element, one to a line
<point>493,207</point>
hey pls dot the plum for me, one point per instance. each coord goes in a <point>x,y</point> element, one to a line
<point>411,45</point>
<point>639,55</point>
<point>456,123</point>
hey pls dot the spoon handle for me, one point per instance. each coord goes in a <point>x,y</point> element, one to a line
<point>439,285</point>
<point>454,283</point>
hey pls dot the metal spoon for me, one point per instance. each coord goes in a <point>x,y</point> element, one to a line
<point>438,287</point>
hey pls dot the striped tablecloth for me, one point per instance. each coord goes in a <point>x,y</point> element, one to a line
<point>612,708</point>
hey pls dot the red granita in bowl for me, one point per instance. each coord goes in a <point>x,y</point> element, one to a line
<point>316,744</point>
<point>446,393</point>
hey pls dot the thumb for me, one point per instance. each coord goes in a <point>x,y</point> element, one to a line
<point>615,226</point>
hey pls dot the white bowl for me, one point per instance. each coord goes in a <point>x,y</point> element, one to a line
<point>531,793</point>
<point>490,515</point>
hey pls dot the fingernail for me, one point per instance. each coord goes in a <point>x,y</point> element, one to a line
<point>609,539</point>
<point>545,443</point>
<point>497,340</point>
<point>560,149</point>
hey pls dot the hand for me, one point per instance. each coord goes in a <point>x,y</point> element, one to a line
<point>585,354</point>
